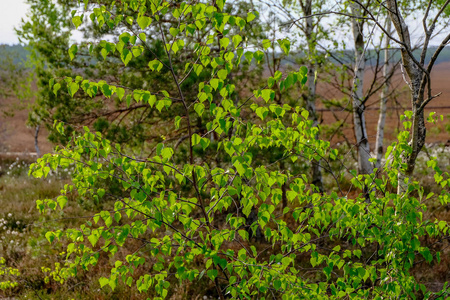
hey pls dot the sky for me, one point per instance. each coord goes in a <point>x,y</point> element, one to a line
<point>11,12</point>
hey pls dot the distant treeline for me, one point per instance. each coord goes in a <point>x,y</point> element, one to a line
<point>346,57</point>
<point>19,54</point>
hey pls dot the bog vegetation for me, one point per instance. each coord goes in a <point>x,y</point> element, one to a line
<point>183,170</point>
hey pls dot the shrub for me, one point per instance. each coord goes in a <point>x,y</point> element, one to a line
<point>239,226</point>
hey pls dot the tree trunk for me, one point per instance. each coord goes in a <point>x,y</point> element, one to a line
<point>36,144</point>
<point>415,74</point>
<point>359,121</point>
<point>384,98</point>
<point>311,85</point>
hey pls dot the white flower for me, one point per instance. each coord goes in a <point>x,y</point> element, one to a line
<point>10,215</point>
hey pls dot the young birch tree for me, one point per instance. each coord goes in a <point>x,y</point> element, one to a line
<point>322,246</point>
<point>306,16</point>
<point>417,69</point>
<point>310,30</point>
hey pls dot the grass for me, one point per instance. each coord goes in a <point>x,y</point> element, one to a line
<point>23,243</point>
<point>24,246</point>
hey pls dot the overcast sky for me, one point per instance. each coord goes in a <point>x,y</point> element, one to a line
<point>11,12</point>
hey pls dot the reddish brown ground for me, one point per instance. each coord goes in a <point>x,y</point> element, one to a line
<point>15,136</point>
<point>441,105</point>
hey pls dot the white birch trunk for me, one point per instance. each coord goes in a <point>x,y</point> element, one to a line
<point>359,121</point>
<point>384,98</point>
<point>415,74</point>
<point>311,85</point>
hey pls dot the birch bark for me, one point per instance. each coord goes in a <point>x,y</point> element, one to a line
<point>359,121</point>
<point>416,76</point>
<point>384,97</point>
<point>311,85</point>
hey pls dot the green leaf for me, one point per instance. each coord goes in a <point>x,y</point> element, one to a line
<point>93,239</point>
<point>267,94</point>
<point>159,105</point>
<point>237,39</point>
<point>199,108</point>
<point>128,100</point>
<point>214,83</point>
<point>120,93</point>
<point>106,90</point>
<point>195,139</point>
<point>262,112</point>
<point>56,88</point>
<point>72,51</point>
<point>239,167</point>
<point>198,69</point>
<point>224,42</point>
<point>222,74</point>
<point>126,56</point>
<point>50,236</point>
<point>103,281</point>
<point>62,201</point>
<point>177,122</point>
<point>285,45</point>
<point>220,4</point>
<point>286,261</point>
<point>142,36</point>
<point>277,284</point>
<point>303,71</point>
<point>77,21</point>
<point>104,53</point>
<point>248,56</point>
<point>204,142</point>
<point>250,16</point>
<point>144,22</point>
<point>100,193</point>
<point>212,274</point>
<point>155,65</point>
<point>174,31</point>
<point>137,50</point>
<point>73,88</point>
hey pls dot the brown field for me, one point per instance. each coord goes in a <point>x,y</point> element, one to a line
<point>16,136</point>
<point>397,104</point>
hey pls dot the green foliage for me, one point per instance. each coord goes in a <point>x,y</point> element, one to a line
<point>129,63</point>
<point>7,275</point>
<point>213,212</point>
